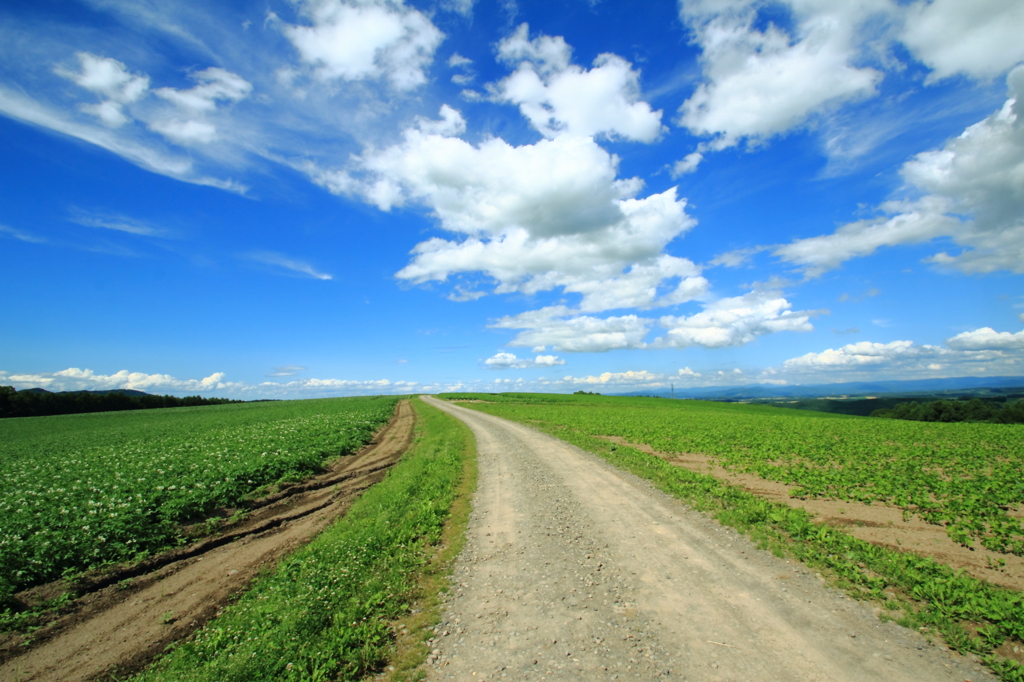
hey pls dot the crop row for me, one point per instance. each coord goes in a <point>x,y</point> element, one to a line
<point>79,491</point>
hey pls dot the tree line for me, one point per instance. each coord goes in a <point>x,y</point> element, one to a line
<point>14,403</point>
<point>975,410</point>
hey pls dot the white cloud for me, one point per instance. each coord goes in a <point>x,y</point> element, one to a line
<point>688,164</point>
<point>982,351</point>
<point>21,236</point>
<point>366,40</point>
<point>23,108</point>
<point>532,218</point>
<point>764,82</point>
<point>117,223</point>
<point>987,338</point>
<point>463,7</point>
<point>75,379</point>
<point>185,132</point>
<point>287,370</point>
<point>629,378</point>
<point>212,85</point>
<point>727,322</point>
<point>110,79</point>
<point>734,322</point>
<point>510,361</point>
<point>290,264</point>
<point>980,38</point>
<point>186,123</point>
<point>688,373</point>
<point>310,388</point>
<point>971,192</point>
<point>861,354</point>
<point>735,258</point>
<point>560,98</point>
<point>563,329</point>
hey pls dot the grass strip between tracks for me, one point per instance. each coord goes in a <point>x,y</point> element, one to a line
<point>331,610</point>
<point>971,615</point>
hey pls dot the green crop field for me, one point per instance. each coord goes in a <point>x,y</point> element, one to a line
<point>963,476</point>
<point>80,491</point>
<point>966,476</point>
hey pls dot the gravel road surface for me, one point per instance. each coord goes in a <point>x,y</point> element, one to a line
<point>575,570</point>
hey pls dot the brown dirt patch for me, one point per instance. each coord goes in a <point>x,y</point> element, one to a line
<point>875,523</point>
<point>125,616</point>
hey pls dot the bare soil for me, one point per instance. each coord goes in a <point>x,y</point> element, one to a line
<point>876,523</point>
<point>575,570</point>
<point>126,616</point>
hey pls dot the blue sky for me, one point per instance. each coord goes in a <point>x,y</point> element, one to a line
<point>302,198</point>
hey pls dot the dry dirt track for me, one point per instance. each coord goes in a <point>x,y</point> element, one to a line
<point>574,570</point>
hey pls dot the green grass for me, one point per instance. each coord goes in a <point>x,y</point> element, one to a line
<point>328,611</point>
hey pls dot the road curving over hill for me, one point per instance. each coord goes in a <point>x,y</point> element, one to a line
<point>575,570</point>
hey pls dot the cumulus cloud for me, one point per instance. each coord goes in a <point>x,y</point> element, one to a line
<point>971,191</point>
<point>111,80</point>
<point>727,322</point>
<point>987,338</point>
<point>186,123</point>
<point>531,218</point>
<point>370,39</point>
<point>982,351</point>
<point>317,388</point>
<point>981,38</point>
<point>75,379</point>
<point>687,164</point>
<point>734,321</point>
<point>563,329</point>
<point>760,82</point>
<point>558,97</point>
<point>633,378</point>
<point>510,361</point>
<point>183,123</point>
<point>861,354</point>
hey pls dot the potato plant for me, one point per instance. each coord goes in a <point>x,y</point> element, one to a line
<point>79,491</point>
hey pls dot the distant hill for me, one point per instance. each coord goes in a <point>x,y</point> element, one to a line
<point>856,388</point>
<point>38,402</point>
<point>122,391</point>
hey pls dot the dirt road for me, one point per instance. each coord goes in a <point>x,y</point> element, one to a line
<point>574,570</point>
<point>125,619</point>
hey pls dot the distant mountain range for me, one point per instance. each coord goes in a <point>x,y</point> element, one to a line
<point>855,388</point>
<point>123,391</point>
